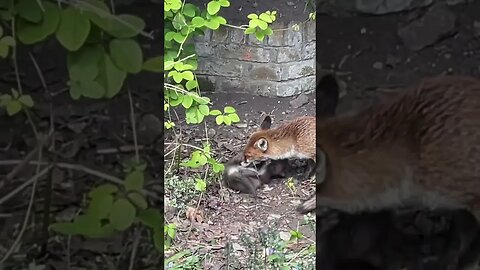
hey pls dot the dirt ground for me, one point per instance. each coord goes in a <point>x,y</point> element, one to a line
<point>369,57</point>
<point>96,134</point>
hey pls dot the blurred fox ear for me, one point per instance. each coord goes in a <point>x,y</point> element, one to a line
<point>327,95</point>
<point>266,123</point>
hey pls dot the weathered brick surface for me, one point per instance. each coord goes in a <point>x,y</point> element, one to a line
<point>283,64</point>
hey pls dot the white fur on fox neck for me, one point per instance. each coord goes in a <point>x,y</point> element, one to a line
<point>291,153</point>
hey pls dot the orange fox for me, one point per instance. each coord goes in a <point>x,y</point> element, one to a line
<point>420,148</point>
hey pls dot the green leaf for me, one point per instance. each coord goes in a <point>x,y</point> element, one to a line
<point>250,30</point>
<point>265,18</point>
<point>253,23</point>
<point>66,228</point>
<point>179,38</point>
<point>26,100</point>
<point>15,94</point>
<point>224,3</point>
<point>29,10</point>
<point>90,89</point>
<point>187,101</point>
<point>234,118</point>
<point>151,217</point>
<point>204,109</point>
<point>158,240</point>
<point>263,25</point>
<point>110,77</point>
<point>219,119</point>
<point>8,40</point>
<point>83,64</point>
<point>260,36</point>
<point>156,64</point>
<point>268,31</point>
<point>219,19</point>
<point>218,167</point>
<point>138,199</point>
<point>75,90</point>
<point>73,29</point>
<point>214,25</point>
<point>134,181</point>
<point>252,16</point>
<point>215,112</point>
<point>103,190</point>
<point>122,214</point>
<point>100,206</point>
<point>200,185</point>
<point>213,7</point>
<point>179,21</point>
<point>191,84</point>
<point>13,107</point>
<point>227,120</point>
<point>131,26</point>
<point>30,33</point>
<point>188,75</point>
<point>126,54</point>
<point>189,10</point>
<point>229,109</point>
<point>4,49</point>
<point>198,22</point>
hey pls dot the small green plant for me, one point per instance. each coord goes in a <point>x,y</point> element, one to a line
<point>228,116</point>
<point>182,261</point>
<point>6,43</point>
<point>201,157</point>
<point>169,231</point>
<point>114,209</point>
<point>15,102</point>
<point>259,24</point>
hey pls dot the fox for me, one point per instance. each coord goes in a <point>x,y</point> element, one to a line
<point>420,147</point>
<point>398,239</point>
<point>295,139</point>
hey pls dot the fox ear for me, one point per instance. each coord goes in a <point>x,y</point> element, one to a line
<point>266,123</point>
<point>327,95</point>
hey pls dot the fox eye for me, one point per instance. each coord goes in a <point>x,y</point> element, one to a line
<point>262,144</point>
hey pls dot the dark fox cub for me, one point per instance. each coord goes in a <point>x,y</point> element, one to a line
<point>248,178</point>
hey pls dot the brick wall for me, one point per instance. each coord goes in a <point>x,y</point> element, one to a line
<point>282,65</point>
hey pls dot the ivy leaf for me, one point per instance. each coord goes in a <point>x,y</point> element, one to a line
<point>214,25</point>
<point>260,36</point>
<point>127,55</point>
<point>213,7</point>
<point>134,181</point>
<point>73,29</point>
<point>29,10</point>
<point>200,185</point>
<point>13,107</point>
<point>227,120</point>
<point>252,16</point>
<point>187,101</point>
<point>75,90</point>
<point>250,30</point>
<point>218,167</point>
<point>110,77</point>
<point>151,217</point>
<point>179,21</point>
<point>156,64</point>
<point>7,40</point>
<point>139,200</point>
<point>122,214</point>
<point>4,49</point>
<point>30,33</point>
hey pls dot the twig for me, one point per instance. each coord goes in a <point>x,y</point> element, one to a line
<point>136,242</point>
<point>29,209</point>
<point>27,183</point>
<point>21,165</point>
<point>134,129</point>
<point>121,149</point>
<point>79,167</point>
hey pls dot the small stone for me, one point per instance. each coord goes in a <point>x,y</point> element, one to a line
<point>211,132</point>
<point>447,56</point>
<point>299,101</point>
<point>378,65</point>
<point>363,31</point>
<point>392,61</point>
<point>450,70</point>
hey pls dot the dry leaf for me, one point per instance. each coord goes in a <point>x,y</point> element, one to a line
<point>194,214</point>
